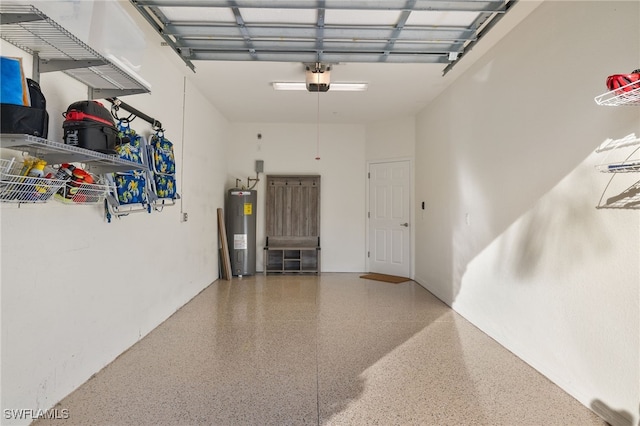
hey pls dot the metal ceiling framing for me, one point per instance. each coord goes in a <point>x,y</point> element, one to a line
<point>393,31</point>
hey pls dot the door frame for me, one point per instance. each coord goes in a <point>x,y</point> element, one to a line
<point>412,245</point>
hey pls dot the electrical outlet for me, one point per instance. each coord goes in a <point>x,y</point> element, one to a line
<point>185,217</point>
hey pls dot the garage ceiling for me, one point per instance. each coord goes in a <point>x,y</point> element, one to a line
<point>362,40</point>
<point>325,31</point>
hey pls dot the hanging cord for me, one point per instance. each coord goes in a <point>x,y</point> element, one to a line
<point>107,213</point>
<point>184,107</point>
<point>318,121</point>
<point>255,181</point>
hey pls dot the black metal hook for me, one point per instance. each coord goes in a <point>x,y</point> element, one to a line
<point>117,104</point>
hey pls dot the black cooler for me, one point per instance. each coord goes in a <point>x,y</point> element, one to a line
<point>89,125</point>
<point>26,120</point>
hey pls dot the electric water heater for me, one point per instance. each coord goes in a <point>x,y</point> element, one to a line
<point>241,231</point>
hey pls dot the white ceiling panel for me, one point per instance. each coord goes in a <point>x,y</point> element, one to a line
<point>200,14</point>
<point>361,17</point>
<point>451,19</point>
<point>278,16</point>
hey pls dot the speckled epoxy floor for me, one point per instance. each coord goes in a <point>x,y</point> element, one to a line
<point>332,349</point>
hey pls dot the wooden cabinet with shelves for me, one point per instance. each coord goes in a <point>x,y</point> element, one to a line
<point>292,260</point>
<point>292,224</point>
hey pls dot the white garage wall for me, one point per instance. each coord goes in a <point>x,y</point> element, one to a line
<point>391,139</point>
<point>291,149</point>
<point>77,291</point>
<point>511,237</point>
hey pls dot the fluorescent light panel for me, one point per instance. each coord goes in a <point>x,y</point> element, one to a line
<point>289,86</point>
<point>333,87</point>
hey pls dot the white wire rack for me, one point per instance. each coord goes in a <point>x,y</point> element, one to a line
<point>628,95</point>
<point>626,165</point>
<point>56,49</point>
<point>86,193</point>
<point>627,199</point>
<point>15,188</point>
<point>611,144</point>
<point>626,148</point>
<point>621,167</point>
<point>57,153</point>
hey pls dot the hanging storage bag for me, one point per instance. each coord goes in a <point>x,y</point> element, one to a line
<point>130,186</point>
<point>163,165</point>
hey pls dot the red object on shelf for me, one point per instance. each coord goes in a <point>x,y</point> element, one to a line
<point>623,82</point>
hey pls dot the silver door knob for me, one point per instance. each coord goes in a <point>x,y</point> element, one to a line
<point>406,224</point>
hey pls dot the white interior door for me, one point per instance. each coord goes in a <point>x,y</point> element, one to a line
<point>389,218</point>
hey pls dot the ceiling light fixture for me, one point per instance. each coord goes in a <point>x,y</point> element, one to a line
<point>318,80</point>
<point>288,86</point>
<point>318,77</point>
<point>335,87</point>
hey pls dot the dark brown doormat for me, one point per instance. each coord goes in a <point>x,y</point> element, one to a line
<point>386,278</point>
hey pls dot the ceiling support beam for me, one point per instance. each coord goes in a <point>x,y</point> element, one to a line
<point>158,21</point>
<point>408,33</point>
<point>243,29</point>
<point>482,32</point>
<point>398,29</point>
<point>328,58</point>
<point>327,47</point>
<point>320,30</point>
<point>421,5</point>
